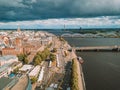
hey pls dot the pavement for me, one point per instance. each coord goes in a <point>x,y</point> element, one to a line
<point>67,78</point>
<point>22,83</point>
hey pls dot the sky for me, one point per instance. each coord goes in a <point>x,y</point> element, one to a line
<point>38,14</point>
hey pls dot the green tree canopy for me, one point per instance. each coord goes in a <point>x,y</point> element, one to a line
<point>54,50</point>
<point>52,57</point>
<point>41,56</point>
<point>33,80</point>
<point>74,76</point>
<point>23,58</point>
<point>37,60</point>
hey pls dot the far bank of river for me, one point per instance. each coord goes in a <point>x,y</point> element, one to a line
<point>101,69</point>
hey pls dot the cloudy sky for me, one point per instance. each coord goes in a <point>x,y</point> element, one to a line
<point>56,13</point>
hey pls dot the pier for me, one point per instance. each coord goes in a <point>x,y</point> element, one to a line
<point>97,48</point>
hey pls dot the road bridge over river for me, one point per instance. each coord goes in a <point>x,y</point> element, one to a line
<point>97,48</point>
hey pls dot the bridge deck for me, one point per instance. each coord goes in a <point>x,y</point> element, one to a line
<point>97,48</point>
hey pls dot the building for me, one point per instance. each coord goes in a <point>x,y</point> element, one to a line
<point>11,51</point>
<point>34,72</point>
<point>7,83</point>
<point>18,42</point>
<point>46,40</point>
<point>18,30</point>
<point>41,74</point>
<point>5,70</point>
<point>28,48</point>
<point>8,59</point>
<point>26,68</point>
<point>6,40</point>
<point>16,65</point>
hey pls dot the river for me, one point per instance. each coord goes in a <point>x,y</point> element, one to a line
<point>101,69</point>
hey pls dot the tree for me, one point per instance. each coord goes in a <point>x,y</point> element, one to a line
<point>23,58</point>
<point>54,50</point>
<point>38,53</point>
<point>15,71</point>
<point>41,56</point>
<point>20,57</point>
<point>49,45</point>
<point>37,60</point>
<point>74,78</point>
<point>46,52</point>
<point>52,57</point>
<point>33,80</point>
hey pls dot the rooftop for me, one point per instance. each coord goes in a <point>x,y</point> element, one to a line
<point>34,71</point>
<point>4,67</point>
<point>8,49</point>
<point>7,57</point>
<point>26,67</point>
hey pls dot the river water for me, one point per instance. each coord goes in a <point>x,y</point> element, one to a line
<point>101,69</point>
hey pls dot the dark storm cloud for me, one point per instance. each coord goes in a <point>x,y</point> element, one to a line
<point>12,10</point>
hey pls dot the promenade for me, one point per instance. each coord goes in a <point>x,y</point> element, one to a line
<point>81,82</point>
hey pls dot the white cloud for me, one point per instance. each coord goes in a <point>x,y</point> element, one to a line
<point>78,22</point>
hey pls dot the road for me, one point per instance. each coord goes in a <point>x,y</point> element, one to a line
<point>67,77</point>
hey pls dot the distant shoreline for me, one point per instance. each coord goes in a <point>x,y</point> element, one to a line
<point>66,29</point>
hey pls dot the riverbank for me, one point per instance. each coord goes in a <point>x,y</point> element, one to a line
<point>81,82</point>
<point>76,76</point>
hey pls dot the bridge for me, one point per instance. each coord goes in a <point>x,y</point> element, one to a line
<point>72,35</point>
<point>79,35</point>
<point>97,48</point>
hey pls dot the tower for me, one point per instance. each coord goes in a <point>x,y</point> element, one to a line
<point>64,26</point>
<point>18,29</point>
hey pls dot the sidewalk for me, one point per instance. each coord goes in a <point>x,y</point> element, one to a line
<point>79,70</point>
<point>22,83</point>
<point>80,83</point>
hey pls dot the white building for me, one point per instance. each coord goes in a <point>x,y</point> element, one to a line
<point>35,71</point>
<point>16,65</point>
<point>8,59</point>
<point>40,78</point>
<point>6,69</point>
<point>26,68</point>
<point>58,64</point>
